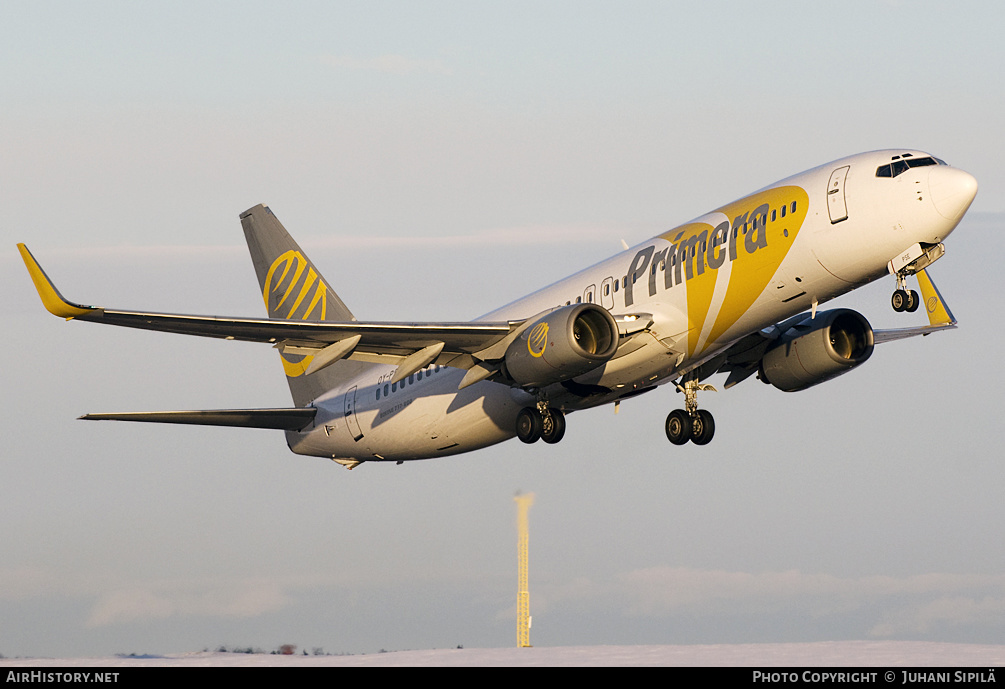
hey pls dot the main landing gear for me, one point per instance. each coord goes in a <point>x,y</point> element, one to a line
<point>540,422</point>
<point>691,423</point>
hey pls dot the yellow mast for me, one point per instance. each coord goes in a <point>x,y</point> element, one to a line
<point>523,593</point>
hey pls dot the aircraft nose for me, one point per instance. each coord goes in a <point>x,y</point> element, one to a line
<point>952,191</point>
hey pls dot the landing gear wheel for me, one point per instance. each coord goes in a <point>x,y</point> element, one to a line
<point>912,301</point>
<point>557,431</point>
<point>678,427</point>
<point>529,425</point>
<point>900,300</point>
<point>702,427</point>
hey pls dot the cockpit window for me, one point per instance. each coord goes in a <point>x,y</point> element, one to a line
<point>900,166</point>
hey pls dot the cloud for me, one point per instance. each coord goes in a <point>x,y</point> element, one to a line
<point>951,611</point>
<point>892,606</point>
<point>671,588</point>
<point>532,235</point>
<point>390,63</point>
<point>237,599</point>
<point>529,235</point>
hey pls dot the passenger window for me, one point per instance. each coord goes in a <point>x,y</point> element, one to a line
<point>793,206</point>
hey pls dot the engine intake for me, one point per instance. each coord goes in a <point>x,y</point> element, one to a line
<point>815,350</point>
<point>562,344</point>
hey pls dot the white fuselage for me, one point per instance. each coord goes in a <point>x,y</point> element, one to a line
<point>704,285</point>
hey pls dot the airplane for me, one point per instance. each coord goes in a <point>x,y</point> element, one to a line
<point>734,291</point>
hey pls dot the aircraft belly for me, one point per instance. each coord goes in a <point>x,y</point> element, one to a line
<point>432,420</point>
<point>448,422</point>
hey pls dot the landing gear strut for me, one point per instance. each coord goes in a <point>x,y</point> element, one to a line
<point>691,423</point>
<point>540,423</point>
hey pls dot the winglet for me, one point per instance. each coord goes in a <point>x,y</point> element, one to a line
<point>935,305</point>
<point>51,298</point>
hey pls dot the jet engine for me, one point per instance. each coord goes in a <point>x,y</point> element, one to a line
<point>815,350</point>
<point>562,344</point>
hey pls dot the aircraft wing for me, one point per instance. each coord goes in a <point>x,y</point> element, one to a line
<point>742,358</point>
<point>293,419</point>
<point>409,345</point>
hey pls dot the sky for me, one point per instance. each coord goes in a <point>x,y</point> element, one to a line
<point>437,160</point>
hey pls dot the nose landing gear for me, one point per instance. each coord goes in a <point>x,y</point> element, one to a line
<point>904,299</point>
<point>912,261</point>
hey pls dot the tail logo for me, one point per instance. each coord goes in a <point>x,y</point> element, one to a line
<point>311,286</point>
<point>538,340</point>
<point>286,278</point>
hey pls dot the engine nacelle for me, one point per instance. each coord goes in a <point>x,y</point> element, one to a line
<point>562,344</point>
<point>815,350</point>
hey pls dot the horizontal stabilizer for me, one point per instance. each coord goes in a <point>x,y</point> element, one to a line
<point>277,419</point>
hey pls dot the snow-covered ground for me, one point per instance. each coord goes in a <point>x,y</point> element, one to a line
<point>837,653</point>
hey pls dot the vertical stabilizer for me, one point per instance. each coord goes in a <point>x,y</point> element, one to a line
<point>293,289</point>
